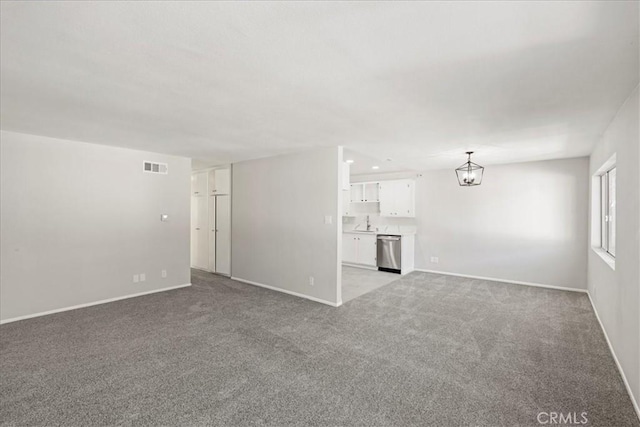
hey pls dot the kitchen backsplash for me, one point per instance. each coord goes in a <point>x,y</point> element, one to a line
<point>378,223</point>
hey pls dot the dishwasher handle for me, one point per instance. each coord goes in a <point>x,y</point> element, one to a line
<point>388,237</point>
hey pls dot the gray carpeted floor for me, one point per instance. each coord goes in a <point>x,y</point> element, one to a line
<point>424,350</point>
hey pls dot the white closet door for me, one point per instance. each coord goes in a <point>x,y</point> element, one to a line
<point>222,181</point>
<point>199,238</point>
<point>194,232</point>
<point>223,235</point>
<point>211,231</point>
<point>199,184</point>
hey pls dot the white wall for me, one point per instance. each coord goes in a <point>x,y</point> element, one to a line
<point>78,220</point>
<point>616,294</point>
<point>279,238</point>
<point>527,222</point>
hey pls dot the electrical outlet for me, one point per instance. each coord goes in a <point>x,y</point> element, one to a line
<point>163,273</point>
<point>136,278</point>
<point>434,259</point>
<point>328,219</point>
<point>143,277</point>
<point>311,281</point>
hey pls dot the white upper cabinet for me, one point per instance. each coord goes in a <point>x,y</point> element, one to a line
<point>371,192</point>
<point>357,193</point>
<point>199,184</point>
<point>397,198</point>
<point>219,181</point>
<point>387,198</point>
<point>365,192</point>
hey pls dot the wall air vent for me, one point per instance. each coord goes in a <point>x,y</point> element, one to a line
<point>153,167</point>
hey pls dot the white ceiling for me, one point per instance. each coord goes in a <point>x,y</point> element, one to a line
<point>420,83</point>
<point>364,164</point>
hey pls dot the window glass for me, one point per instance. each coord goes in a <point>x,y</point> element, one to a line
<point>604,220</point>
<point>611,211</point>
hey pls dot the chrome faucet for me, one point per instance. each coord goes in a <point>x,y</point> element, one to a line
<point>368,224</point>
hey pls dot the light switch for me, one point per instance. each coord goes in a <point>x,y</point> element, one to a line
<point>164,217</point>
<point>328,219</point>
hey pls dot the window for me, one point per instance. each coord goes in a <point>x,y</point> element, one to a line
<point>603,212</point>
<point>608,206</point>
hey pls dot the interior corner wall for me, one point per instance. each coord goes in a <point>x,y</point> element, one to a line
<point>527,222</point>
<point>78,220</point>
<point>616,293</point>
<point>280,238</point>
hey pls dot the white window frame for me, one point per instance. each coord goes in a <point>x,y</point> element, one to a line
<point>600,211</point>
<point>605,217</point>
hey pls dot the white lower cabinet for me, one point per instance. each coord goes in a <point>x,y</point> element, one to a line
<point>359,248</point>
<point>349,248</point>
<point>367,249</point>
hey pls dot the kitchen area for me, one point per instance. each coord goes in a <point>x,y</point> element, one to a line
<point>378,222</point>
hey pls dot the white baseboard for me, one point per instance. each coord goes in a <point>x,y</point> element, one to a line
<point>493,279</point>
<point>613,353</point>
<point>89,304</point>
<point>296,294</point>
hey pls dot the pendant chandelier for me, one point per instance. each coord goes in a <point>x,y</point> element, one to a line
<point>469,173</point>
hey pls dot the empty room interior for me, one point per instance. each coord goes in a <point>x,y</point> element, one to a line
<point>347,213</point>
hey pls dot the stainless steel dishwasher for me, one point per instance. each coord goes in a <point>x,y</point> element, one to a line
<point>389,253</point>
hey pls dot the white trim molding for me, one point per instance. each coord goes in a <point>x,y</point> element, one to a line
<point>89,304</point>
<point>606,257</point>
<point>634,402</point>
<point>284,291</point>
<point>493,279</point>
<point>596,222</point>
